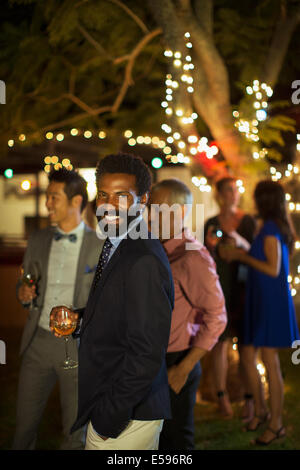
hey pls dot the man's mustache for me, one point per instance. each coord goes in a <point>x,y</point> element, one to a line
<point>103,211</point>
<point>111,213</point>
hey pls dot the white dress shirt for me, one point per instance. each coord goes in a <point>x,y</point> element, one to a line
<point>62,270</point>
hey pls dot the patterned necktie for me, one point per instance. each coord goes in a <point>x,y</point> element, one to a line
<point>72,237</point>
<point>103,259</point>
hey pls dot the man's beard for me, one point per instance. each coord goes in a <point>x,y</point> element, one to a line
<point>121,225</point>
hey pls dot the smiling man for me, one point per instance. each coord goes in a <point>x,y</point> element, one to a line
<point>63,258</point>
<point>123,385</point>
<point>119,207</point>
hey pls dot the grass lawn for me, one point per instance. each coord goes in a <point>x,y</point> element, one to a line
<point>212,432</point>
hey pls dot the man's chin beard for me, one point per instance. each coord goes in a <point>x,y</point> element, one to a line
<point>115,229</point>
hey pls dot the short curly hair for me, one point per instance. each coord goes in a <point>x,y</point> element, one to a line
<point>126,163</point>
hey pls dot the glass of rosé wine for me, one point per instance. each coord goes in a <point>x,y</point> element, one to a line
<point>64,324</point>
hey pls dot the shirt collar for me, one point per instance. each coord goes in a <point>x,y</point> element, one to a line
<point>76,231</point>
<point>117,240</point>
<point>173,243</point>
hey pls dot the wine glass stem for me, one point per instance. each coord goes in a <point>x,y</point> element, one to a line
<point>66,338</point>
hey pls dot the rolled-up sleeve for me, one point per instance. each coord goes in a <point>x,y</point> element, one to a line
<point>202,288</point>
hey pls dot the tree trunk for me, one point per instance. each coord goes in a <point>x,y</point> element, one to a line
<point>211,98</point>
<point>279,46</point>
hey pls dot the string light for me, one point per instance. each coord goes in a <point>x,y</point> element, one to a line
<point>201,183</point>
<point>53,162</point>
<point>26,185</point>
<point>190,144</point>
<point>260,93</point>
<point>128,134</point>
<point>285,176</point>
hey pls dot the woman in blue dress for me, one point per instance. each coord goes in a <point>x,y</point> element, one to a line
<point>269,320</point>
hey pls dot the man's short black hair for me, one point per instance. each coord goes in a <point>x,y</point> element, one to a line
<point>74,184</point>
<point>126,163</point>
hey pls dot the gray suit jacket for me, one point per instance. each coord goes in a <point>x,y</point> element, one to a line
<point>37,252</point>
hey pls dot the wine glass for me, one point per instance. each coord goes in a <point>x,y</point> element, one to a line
<point>64,324</point>
<point>29,277</point>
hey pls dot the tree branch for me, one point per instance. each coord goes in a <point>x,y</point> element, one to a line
<point>128,71</point>
<point>279,46</point>
<point>212,63</point>
<point>121,59</point>
<point>165,16</point>
<point>133,15</point>
<point>71,120</point>
<point>204,13</point>
<point>93,41</point>
<point>127,82</point>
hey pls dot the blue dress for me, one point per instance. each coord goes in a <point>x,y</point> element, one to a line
<point>269,318</point>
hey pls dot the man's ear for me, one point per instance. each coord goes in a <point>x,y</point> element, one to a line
<point>186,210</point>
<point>77,201</point>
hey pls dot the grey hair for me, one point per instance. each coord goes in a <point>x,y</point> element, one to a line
<point>180,193</point>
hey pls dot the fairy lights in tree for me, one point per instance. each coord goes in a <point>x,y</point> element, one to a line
<point>287,176</point>
<point>249,126</point>
<point>190,145</point>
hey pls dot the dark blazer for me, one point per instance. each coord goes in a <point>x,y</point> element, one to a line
<point>124,338</point>
<point>37,252</point>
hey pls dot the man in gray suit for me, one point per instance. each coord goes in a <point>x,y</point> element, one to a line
<point>64,257</point>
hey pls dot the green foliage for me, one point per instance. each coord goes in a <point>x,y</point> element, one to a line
<point>50,57</point>
<point>271,131</point>
<point>49,50</point>
<point>242,41</point>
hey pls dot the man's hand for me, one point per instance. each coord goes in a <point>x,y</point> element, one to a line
<point>55,316</point>
<point>211,238</point>
<point>230,253</point>
<point>177,377</point>
<point>26,294</point>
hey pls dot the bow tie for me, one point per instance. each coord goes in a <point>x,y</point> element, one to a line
<point>72,237</point>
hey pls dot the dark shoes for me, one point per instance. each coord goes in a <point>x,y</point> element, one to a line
<point>259,421</point>
<point>279,434</point>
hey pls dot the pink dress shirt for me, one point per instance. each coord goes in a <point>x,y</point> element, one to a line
<point>199,316</point>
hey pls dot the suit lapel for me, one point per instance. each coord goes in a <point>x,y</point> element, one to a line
<point>83,257</point>
<point>44,261</point>
<point>94,295</point>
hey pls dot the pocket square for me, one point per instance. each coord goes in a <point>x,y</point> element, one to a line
<point>88,269</point>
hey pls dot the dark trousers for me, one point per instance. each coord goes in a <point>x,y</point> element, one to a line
<point>178,432</point>
<point>40,370</point>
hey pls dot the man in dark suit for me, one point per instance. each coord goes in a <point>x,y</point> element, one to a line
<point>123,384</point>
<point>63,258</point>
